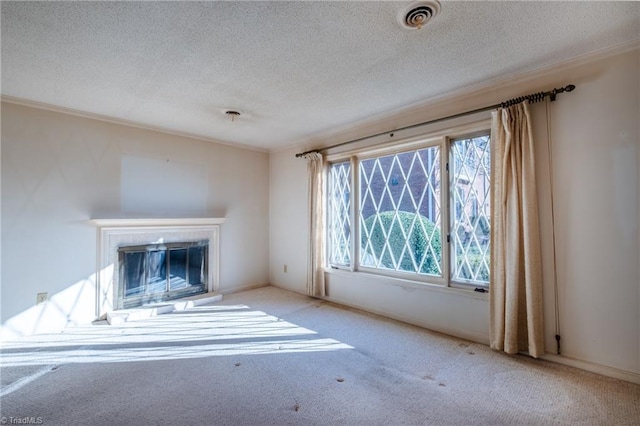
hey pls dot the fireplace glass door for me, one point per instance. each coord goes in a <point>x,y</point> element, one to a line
<point>158,272</point>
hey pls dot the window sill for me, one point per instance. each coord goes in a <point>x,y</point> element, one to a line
<point>410,285</point>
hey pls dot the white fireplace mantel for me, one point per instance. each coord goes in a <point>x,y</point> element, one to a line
<point>125,223</point>
<point>115,233</point>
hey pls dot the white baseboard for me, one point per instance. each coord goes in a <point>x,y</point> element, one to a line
<point>242,288</point>
<point>292,290</point>
<point>603,370</point>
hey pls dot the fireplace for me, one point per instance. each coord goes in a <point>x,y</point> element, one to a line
<point>158,272</point>
<point>143,261</point>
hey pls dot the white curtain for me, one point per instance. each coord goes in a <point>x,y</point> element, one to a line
<point>315,270</point>
<point>516,267</point>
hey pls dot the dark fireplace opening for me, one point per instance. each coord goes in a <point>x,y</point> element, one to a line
<point>158,272</point>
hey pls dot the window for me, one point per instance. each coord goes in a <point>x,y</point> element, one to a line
<point>398,216</point>
<point>339,205</point>
<point>469,173</point>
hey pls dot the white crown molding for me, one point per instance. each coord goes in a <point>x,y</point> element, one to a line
<point>449,103</point>
<point>121,122</point>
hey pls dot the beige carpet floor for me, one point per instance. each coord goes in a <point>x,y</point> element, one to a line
<point>271,357</point>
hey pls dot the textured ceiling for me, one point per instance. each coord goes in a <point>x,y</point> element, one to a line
<point>296,70</point>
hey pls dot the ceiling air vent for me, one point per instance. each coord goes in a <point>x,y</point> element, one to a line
<point>418,13</point>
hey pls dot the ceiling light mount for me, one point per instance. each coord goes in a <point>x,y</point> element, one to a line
<point>416,15</point>
<point>233,114</point>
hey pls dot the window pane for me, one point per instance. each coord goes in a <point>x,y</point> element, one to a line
<point>339,207</point>
<point>400,212</point>
<point>470,205</point>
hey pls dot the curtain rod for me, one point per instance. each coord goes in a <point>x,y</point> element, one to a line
<point>532,98</point>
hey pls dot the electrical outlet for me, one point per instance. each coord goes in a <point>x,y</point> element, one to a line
<point>285,269</point>
<point>41,298</point>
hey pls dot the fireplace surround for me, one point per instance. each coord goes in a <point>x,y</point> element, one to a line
<point>114,235</point>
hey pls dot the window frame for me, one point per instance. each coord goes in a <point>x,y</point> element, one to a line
<point>442,139</point>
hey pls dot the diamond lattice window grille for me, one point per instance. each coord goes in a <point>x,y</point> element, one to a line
<point>399,212</point>
<point>470,204</point>
<point>339,208</point>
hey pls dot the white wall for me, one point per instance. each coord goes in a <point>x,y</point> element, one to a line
<point>288,223</point>
<point>595,152</point>
<point>59,171</point>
